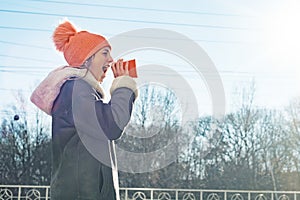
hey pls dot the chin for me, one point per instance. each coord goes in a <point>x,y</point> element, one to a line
<point>100,80</point>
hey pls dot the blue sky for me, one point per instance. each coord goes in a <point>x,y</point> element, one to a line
<point>247,40</point>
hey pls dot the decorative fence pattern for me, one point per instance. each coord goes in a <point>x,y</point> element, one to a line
<point>24,192</point>
<point>189,194</point>
<point>29,192</point>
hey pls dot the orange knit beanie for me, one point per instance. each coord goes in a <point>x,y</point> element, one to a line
<point>77,46</point>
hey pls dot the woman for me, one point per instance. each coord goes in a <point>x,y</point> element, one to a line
<point>82,125</point>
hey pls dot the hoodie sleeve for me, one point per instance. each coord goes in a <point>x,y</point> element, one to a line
<point>114,116</point>
<point>95,119</point>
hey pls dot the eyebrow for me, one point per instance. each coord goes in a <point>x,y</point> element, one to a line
<point>106,49</point>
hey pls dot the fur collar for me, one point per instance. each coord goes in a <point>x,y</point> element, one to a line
<point>47,91</point>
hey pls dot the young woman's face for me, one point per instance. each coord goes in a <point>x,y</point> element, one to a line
<point>100,63</point>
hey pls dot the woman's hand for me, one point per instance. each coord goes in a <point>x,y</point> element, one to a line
<point>118,69</point>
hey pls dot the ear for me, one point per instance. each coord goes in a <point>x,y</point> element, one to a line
<point>88,61</point>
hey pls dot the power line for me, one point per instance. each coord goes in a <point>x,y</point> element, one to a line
<point>39,70</point>
<point>25,45</point>
<point>140,8</point>
<point>135,36</point>
<point>24,67</point>
<point>25,29</point>
<point>182,39</point>
<point>26,58</point>
<point>24,72</point>
<point>122,20</point>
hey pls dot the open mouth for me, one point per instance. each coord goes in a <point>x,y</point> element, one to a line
<point>105,68</point>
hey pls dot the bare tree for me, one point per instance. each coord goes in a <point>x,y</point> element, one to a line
<point>25,145</point>
<point>155,123</point>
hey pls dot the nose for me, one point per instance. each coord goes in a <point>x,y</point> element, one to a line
<point>110,59</point>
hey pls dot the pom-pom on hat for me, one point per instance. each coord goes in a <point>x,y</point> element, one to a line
<point>77,46</point>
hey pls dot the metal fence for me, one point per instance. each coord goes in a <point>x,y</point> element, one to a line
<point>29,192</point>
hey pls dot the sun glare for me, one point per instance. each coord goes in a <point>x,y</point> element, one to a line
<point>282,37</point>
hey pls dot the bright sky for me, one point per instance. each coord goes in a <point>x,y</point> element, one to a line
<point>247,40</point>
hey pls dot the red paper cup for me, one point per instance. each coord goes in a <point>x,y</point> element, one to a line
<point>131,68</point>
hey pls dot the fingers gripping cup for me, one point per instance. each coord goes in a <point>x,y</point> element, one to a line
<point>132,72</point>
